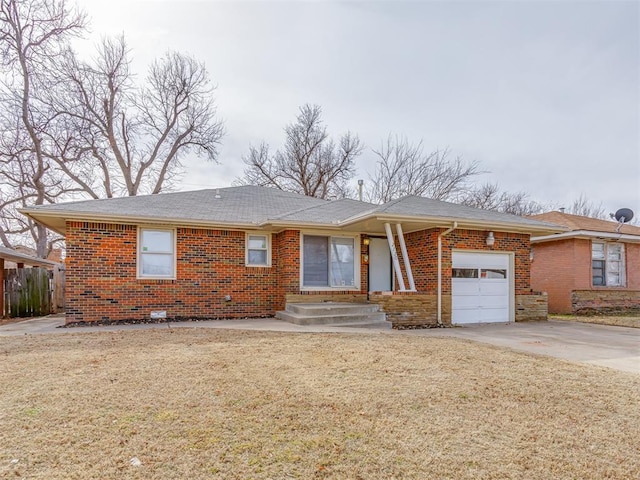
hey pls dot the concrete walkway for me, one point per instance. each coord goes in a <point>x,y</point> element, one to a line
<point>602,345</point>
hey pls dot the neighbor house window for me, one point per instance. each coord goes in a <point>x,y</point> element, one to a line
<point>156,253</point>
<point>607,264</point>
<point>258,251</point>
<point>328,261</point>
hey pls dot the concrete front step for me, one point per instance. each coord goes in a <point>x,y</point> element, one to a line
<point>332,308</point>
<point>335,313</point>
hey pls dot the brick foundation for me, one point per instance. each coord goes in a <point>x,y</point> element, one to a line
<point>531,308</point>
<point>605,302</point>
<point>413,310</point>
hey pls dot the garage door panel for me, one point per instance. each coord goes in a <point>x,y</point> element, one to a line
<point>493,315</point>
<point>494,302</point>
<point>465,315</point>
<point>466,287</point>
<point>487,287</point>
<point>480,300</point>
<point>466,302</point>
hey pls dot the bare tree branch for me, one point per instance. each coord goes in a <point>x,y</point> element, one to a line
<point>310,163</point>
<point>403,168</point>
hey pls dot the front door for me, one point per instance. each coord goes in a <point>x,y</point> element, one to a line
<point>380,271</point>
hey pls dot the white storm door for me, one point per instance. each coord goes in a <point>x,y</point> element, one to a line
<point>380,272</point>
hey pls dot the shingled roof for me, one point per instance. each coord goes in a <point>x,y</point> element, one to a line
<point>578,222</point>
<point>249,207</point>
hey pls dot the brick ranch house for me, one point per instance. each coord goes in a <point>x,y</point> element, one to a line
<point>248,251</point>
<point>592,268</point>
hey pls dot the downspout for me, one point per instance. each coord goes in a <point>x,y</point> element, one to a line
<point>446,232</point>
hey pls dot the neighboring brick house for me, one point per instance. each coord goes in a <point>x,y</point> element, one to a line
<point>592,268</point>
<point>247,251</point>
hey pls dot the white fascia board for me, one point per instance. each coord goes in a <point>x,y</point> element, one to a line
<point>462,223</point>
<point>587,234</point>
<point>39,216</point>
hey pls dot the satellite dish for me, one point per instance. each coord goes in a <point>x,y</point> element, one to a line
<point>624,215</point>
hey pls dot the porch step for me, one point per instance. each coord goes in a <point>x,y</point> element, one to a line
<point>333,313</point>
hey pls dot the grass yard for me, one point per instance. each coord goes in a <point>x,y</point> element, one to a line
<point>200,403</point>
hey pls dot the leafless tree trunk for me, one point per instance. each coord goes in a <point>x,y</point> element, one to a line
<point>69,127</point>
<point>403,168</point>
<point>33,39</point>
<point>310,162</point>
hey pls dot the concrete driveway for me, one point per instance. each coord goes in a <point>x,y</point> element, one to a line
<point>603,345</point>
<point>606,346</point>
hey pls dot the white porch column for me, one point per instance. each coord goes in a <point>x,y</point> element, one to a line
<point>394,257</point>
<point>405,258</point>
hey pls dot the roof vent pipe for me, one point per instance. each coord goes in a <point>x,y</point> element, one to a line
<point>360,183</point>
<point>561,209</point>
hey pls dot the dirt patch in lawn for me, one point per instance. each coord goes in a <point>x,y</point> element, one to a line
<point>200,403</point>
<point>616,320</point>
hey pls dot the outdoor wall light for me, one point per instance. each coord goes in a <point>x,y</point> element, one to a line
<point>490,239</point>
<point>366,241</point>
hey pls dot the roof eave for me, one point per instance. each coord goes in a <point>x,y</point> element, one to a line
<point>462,223</point>
<point>587,234</point>
<point>64,216</point>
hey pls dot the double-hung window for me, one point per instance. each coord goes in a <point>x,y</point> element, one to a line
<point>607,264</point>
<point>156,253</point>
<point>328,261</point>
<point>258,251</point>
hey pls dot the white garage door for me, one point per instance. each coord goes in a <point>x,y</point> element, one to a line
<point>480,288</point>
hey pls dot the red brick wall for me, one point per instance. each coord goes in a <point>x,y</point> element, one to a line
<point>102,284</point>
<point>632,257</point>
<point>564,266</point>
<point>552,271</point>
<point>422,248</point>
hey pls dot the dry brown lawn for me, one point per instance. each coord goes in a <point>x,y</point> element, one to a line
<point>616,320</point>
<point>200,403</point>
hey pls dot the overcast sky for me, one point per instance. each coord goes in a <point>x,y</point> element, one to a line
<point>544,94</point>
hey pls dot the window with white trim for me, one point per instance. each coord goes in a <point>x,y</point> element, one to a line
<point>328,261</point>
<point>156,253</point>
<point>258,250</point>
<point>607,264</point>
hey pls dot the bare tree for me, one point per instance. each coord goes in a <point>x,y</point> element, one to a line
<point>34,37</point>
<point>310,162</point>
<point>71,127</point>
<point>404,168</point>
<point>489,197</point>
<point>586,208</point>
<point>132,139</point>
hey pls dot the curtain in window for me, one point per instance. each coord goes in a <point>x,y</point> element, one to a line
<point>315,261</point>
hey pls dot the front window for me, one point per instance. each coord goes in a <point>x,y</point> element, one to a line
<point>258,251</point>
<point>328,261</point>
<point>156,253</point>
<point>607,264</point>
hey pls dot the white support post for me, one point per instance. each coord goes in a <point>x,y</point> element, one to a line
<point>405,258</point>
<point>394,257</point>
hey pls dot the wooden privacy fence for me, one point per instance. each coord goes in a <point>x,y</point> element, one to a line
<point>28,292</point>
